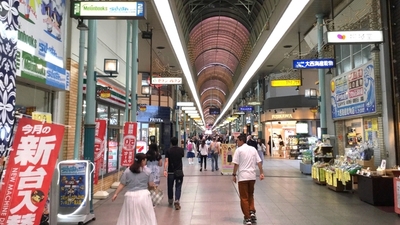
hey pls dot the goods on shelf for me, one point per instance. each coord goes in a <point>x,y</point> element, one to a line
<point>298,144</point>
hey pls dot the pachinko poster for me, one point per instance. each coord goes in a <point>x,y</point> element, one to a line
<point>72,184</point>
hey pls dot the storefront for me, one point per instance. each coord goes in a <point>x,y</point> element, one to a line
<point>354,108</point>
<point>154,125</point>
<point>282,125</point>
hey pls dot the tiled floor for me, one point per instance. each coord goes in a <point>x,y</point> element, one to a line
<point>285,196</point>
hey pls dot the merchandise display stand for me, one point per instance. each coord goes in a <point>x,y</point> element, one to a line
<point>376,190</point>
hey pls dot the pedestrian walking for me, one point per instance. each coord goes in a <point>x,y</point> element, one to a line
<point>172,165</point>
<point>137,207</point>
<point>245,160</point>
<point>203,148</point>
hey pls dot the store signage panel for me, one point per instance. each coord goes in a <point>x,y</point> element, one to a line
<point>285,83</point>
<point>246,108</point>
<point>40,32</point>
<point>166,80</point>
<point>353,93</point>
<point>281,116</point>
<point>313,63</point>
<point>108,10</point>
<point>36,69</point>
<point>348,37</point>
<point>214,111</point>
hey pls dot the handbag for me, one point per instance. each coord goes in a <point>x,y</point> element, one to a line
<point>156,196</point>
<point>178,174</point>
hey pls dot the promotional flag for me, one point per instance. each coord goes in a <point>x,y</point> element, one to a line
<point>29,171</point>
<point>99,147</point>
<point>129,143</point>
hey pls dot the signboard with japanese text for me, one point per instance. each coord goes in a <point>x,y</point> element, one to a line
<point>129,143</point>
<point>108,10</point>
<point>42,116</point>
<point>99,147</point>
<point>353,92</point>
<point>37,69</point>
<point>246,108</point>
<point>285,83</point>
<point>351,36</point>
<point>166,80</point>
<point>72,184</point>
<point>313,63</point>
<point>29,171</point>
<point>227,151</point>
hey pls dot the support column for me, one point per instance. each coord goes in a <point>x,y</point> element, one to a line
<point>134,73</point>
<point>321,76</point>
<point>177,112</point>
<point>79,109</point>
<point>259,111</point>
<point>90,116</point>
<point>184,127</point>
<point>127,69</point>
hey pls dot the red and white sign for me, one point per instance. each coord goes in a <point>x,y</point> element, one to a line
<point>29,172</point>
<point>129,143</point>
<point>99,147</point>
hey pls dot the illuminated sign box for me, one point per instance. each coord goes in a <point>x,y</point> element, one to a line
<point>348,37</point>
<point>166,80</point>
<point>246,108</point>
<point>313,63</point>
<point>285,83</point>
<point>214,111</point>
<point>108,10</point>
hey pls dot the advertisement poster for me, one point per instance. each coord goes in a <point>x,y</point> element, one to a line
<point>129,143</point>
<point>72,184</point>
<point>353,93</point>
<point>99,147</point>
<point>227,151</point>
<point>371,129</point>
<point>29,171</point>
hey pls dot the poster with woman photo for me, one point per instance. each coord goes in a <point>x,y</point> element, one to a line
<point>227,151</point>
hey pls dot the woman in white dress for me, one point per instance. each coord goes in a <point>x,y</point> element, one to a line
<point>137,207</point>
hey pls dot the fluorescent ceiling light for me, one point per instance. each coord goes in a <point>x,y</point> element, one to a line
<point>167,19</point>
<point>184,104</point>
<point>188,108</point>
<point>289,16</point>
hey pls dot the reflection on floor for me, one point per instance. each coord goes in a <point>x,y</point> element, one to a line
<point>285,197</point>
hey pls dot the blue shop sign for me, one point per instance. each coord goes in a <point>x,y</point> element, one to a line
<point>246,108</point>
<point>313,63</point>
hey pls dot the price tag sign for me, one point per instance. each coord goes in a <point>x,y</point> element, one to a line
<point>42,116</point>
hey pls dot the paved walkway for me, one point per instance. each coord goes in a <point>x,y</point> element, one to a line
<point>285,196</point>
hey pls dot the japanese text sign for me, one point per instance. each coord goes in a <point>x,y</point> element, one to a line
<point>166,80</point>
<point>29,172</point>
<point>353,92</point>
<point>129,143</point>
<point>99,147</point>
<point>313,63</point>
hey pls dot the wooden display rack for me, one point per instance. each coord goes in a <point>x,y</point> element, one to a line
<point>333,183</point>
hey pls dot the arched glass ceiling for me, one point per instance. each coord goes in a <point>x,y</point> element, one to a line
<point>216,45</point>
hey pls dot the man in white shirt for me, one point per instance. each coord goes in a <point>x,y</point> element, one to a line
<point>245,160</point>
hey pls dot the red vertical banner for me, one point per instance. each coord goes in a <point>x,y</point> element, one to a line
<point>99,147</point>
<point>129,143</point>
<point>29,171</point>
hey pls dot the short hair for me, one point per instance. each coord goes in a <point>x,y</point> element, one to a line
<point>242,137</point>
<point>174,141</point>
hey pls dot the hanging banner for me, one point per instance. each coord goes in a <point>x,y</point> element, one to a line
<point>29,171</point>
<point>129,143</point>
<point>99,147</point>
<point>353,92</point>
<point>227,151</point>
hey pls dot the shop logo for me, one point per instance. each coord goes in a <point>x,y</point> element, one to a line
<point>44,48</point>
<point>341,37</point>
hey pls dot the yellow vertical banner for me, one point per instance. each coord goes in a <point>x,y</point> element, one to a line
<point>42,116</point>
<point>227,151</point>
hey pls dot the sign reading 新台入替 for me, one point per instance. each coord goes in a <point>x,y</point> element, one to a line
<point>108,10</point>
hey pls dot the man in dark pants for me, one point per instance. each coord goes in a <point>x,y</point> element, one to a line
<point>173,161</point>
<point>245,160</point>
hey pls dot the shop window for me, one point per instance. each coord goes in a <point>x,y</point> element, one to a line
<point>114,112</point>
<point>102,111</point>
